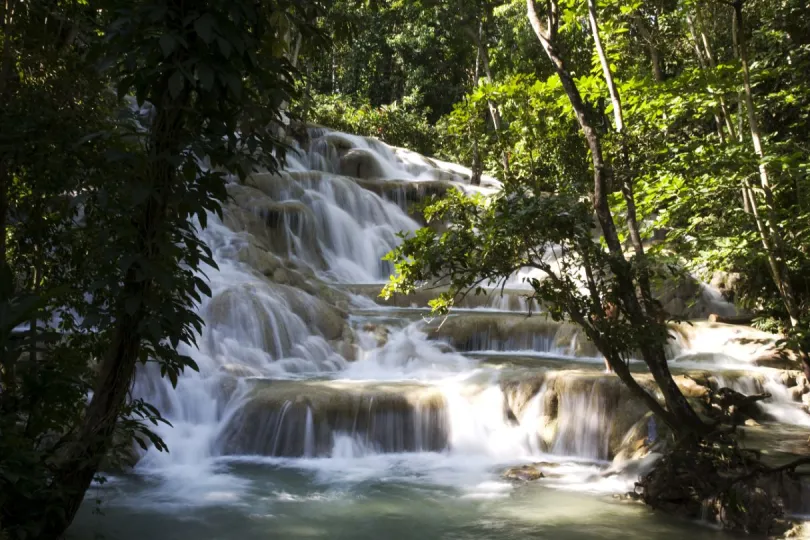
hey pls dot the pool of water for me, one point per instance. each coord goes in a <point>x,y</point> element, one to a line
<point>393,497</point>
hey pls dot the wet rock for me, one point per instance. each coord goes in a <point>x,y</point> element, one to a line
<point>239,370</point>
<point>259,311</point>
<point>281,276</point>
<point>726,283</point>
<point>405,192</point>
<point>524,473</point>
<point>691,388</point>
<point>797,530</point>
<point>317,313</point>
<point>551,404</point>
<point>346,346</point>
<point>278,186</point>
<point>259,258</point>
<point>632,467</point>
<point>283,228</point>
<point>676,307</point>
<point>788,378</point>
<point>360,164</point>
<point>241,307</point>
<point>380,333</point>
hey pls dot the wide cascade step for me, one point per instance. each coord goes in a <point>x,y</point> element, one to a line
<point>511,332</point>
<point>305,418</point>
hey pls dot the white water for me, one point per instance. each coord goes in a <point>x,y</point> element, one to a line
<point>410,412</point>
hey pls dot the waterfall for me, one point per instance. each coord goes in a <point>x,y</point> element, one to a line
<point>301,364</point>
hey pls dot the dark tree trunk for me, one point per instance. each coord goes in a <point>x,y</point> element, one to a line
<point>681,417</point>
<point>655,55</point>
<point>83,457</point>
<point>770,235</point>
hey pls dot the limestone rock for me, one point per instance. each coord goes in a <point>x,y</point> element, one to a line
<point>524,473</point>
<point>788,378</point>
<point>360,163</point>
<point>796,393</point>
<point>280,275</point>
<point>379,332</point>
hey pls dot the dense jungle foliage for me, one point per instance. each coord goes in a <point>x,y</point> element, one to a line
<point>469,82</point>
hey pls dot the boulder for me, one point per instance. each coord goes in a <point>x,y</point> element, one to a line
<point>360,163</point>
<point>524,473</point>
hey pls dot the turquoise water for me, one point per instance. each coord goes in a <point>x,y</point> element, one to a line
<point>403,497</point>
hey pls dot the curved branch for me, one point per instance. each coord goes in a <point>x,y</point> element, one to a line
<point>618,118</point>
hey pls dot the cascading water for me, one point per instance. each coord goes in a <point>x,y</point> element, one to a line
<point>312,393</point>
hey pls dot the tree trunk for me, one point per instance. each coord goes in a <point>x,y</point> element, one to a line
<point>655,55</point>
<point>494,111</point>
<point>477,167</point>
<point>83,457</point>
<point>334,72</point>
<point>296,50</point>
<point>626,180</point>
<point>713,65</point>
<point>618,118</point>
<point>655,59</point>
<point>683,420</point>
<point>770,235</point>
<point>703,65</point>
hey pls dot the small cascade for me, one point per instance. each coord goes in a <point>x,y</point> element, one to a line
<point>512,333</point>
<point>574,413</point>
<point>584,422</point>
<point>316,218</point>
<point>722,343</point>
<point>783,405</point>
<point>305,419</point>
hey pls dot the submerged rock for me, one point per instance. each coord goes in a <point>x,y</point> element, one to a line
<point>361,163</point>
<point>524,473</point>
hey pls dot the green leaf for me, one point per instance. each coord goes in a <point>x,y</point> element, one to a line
<point>234,84</point>
<point>206,76</point>
<point>204,26</point>
<point>167,44</point>
<point>224,47</point>
<point>176,84</point>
